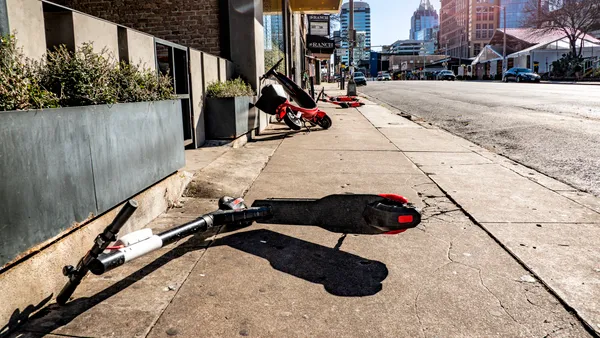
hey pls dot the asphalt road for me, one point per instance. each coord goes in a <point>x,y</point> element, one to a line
<point>553,128</point>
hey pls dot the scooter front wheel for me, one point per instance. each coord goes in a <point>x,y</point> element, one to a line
<point>291,120</point>
<point>325,122</point>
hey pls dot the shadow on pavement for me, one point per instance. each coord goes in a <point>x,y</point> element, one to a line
<point>19,317</point>
<point>53,317</point>
<point>341,273</point>
<point>272,136</point>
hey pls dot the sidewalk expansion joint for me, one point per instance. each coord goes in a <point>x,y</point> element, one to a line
<point>567,307</point>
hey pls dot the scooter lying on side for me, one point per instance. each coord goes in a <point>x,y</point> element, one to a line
<point>342,101</point>
<point>349,214</point>
<point>274,101</point>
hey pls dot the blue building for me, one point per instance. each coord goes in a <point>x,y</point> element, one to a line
<point>516,13</point>
<point>424,22</point>
<point>362,23</point>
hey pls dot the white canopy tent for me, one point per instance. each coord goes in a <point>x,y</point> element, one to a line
<point>547,52</point>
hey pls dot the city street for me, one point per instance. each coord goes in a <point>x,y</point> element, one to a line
<point>553,128</point>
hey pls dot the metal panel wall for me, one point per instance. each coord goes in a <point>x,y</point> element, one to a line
<point>60,166</point>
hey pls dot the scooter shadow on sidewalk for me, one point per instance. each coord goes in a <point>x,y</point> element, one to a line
<point>341,273</point>
<point>285,132</point>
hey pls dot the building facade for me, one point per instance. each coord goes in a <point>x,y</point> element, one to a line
<point>517,12</point>
<point>424,22</point>
<point>412,47</point>
<point>466,26</point>
<point>362,23</point>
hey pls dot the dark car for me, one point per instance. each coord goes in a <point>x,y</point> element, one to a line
<point>360,79</point>
<point>521,75</point>
<point>446,75</point>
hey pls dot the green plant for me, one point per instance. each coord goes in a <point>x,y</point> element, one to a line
<point>20,87</point>
<point>231,88</point>
<point>81,78</point>
<point>567,66</point>
<point>137,85</point>
<point>74,79</point>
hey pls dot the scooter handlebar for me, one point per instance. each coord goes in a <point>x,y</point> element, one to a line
<point>267,74</point>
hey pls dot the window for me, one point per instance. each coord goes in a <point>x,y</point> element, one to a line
<point>477,48</point>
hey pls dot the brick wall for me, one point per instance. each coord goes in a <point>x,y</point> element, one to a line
<point>193,23</point>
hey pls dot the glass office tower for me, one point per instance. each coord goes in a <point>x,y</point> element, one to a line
<point>362,23</point>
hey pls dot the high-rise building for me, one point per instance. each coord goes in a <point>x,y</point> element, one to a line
<point>516,13</point>
<point>424,22</point>
<point>466,26</point>
<point>362,23</point>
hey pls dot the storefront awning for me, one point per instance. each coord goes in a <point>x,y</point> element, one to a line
<point>316,6</point>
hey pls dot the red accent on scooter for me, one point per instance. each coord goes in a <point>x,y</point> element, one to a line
<point>405,219</point>
<point>395,198</point>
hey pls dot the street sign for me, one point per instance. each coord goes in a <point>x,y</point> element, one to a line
<point>318,25</point>
<point>319,28</point>
<point>341,51</point>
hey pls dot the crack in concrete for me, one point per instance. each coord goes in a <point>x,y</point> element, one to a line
<point>498,299</point>
<point>440,214</point>
<point>559,329</point>
<point>417,313</point>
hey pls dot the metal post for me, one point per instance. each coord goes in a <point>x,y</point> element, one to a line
<point>460,51</point>
<point>504,68</point>
<point>351,84</point>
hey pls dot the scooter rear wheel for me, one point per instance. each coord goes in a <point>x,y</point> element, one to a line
<point>291,120</point>
<point>325,122</point>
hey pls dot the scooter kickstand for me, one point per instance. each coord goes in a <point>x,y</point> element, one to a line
<point>306,126</point>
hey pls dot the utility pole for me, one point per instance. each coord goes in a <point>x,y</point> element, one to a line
<point>351,84</point>
<point>504,61</point>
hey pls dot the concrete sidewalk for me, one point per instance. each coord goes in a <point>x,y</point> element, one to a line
<point>454,276</point>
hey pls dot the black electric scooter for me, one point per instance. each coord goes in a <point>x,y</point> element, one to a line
<point>350,214</point>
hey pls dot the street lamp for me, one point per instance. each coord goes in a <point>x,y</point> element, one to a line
<point>504,65</point>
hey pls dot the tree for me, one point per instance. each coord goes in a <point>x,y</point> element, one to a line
<point>575,18</point>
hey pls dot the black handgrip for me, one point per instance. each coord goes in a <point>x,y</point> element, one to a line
<point>267,74</point>
<point>102,241</point>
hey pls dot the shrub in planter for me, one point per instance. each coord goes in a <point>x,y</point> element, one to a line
<point>20,86</point>
<point>74,79</point>
<point>229,110</point>
<point>88,78</point>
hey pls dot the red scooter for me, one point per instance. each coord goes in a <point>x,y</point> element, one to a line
<point>274,101</point>
<point>342,101</point>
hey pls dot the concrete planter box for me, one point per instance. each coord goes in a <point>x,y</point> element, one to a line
<point>61,167</point>
<point>230,118</point>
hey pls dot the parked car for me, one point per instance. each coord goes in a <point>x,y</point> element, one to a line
<point>446,75</point>
<point>384,76</point>
<point>360,79</point>
<point>521,75</point>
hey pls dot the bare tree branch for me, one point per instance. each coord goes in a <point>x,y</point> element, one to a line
<point>576,18</point>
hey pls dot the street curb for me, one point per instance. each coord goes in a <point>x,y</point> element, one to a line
<point>589,327</point>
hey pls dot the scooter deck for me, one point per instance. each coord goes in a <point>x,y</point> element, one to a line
<point>356,214</point>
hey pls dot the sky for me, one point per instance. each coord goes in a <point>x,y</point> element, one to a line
<point>390,19</point>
